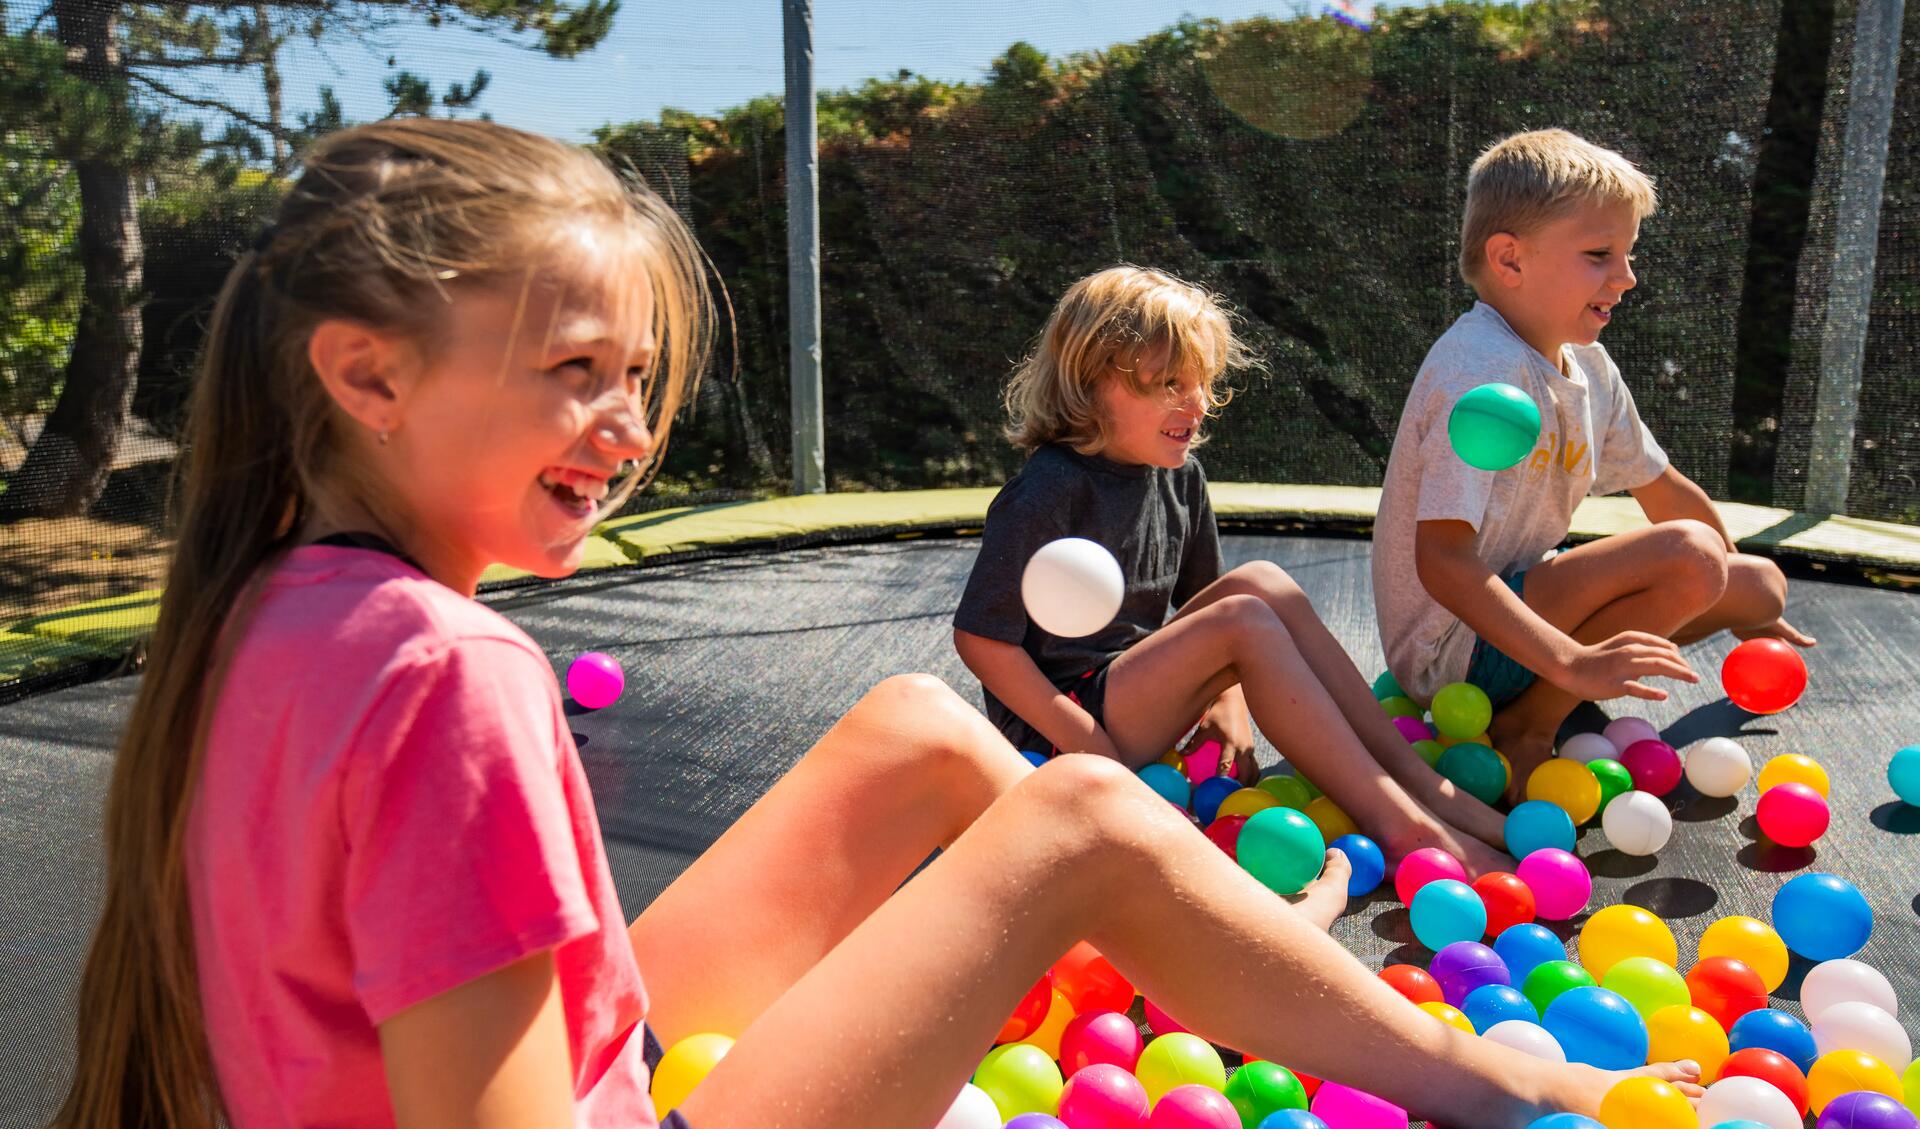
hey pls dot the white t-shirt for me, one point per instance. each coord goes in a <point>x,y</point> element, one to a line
<point>1591,442</point>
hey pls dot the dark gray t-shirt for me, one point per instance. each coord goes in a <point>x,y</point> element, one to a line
<point>1156,522</point>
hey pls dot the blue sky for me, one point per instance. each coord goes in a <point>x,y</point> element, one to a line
<point>705,55</point>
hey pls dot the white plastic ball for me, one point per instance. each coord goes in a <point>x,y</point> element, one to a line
<point>1846,981</point>
<point>1624,731</point>
<point>1072,587</point>
<point>1637,823</point>
<point>971,1109</point>
<point>1862,1027</point>
<point>1748,1099</point>
<point>1528,1038</point>
<point>1587,748</point>
<point>1718,766</point>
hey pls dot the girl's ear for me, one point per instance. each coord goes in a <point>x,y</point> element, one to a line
<point>1503,258</point>
<point>363,369</point>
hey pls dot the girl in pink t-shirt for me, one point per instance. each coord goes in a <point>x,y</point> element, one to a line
<point>354,874</point>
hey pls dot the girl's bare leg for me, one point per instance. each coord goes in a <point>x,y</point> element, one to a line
<point>888,1024</point>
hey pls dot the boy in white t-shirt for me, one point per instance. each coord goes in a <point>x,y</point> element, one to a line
<point>1467,584</point>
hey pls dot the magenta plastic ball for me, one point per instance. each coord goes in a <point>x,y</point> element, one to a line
<point>1343,1107</point>
<point>1096,1037</point>
<point>1160,1021</point>
<point>1560,883</point>
<point>1413,729</point>
<point>1193,1107</point>
<point>1424,866</point>
<point>1654,766</point>
<point>1465,965</point>
<point>1792,815</point>
<point>1204,762</point>
<point>595,680</point>
<point>1103,1096</point>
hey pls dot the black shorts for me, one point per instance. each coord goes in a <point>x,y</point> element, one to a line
<point>651,1051</point>
<point>1089,691</point>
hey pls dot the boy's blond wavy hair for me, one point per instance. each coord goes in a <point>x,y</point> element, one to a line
<point>1530,179</point>
<point>1100,329</point>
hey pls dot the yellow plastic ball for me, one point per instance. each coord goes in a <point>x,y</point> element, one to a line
<point>1568,785</point>
<point>1646,1103</point>
<point>1618,932</point>
<point>1448,1014</point>
<point>1174,759</point>
<point>1246,801</point>
<point>1059,1014</point>
<point>1751,942</point>
<point>683,1067</point>
<point>1331,821</point>
<point>1506,780</point>
<point>1843,1072</point>
<point>1674,1033</point>
<point>1792,768</point>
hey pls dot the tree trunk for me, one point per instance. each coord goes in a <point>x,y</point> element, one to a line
<point>270,79</point>
<point>67,468</point>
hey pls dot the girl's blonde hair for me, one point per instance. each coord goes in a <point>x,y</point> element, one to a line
<point>386,225</point>
<point>1102,326</point>
<point>1526,180</point>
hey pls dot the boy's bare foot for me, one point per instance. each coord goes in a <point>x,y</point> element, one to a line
<point>1526,747</point>
<point>1458,808</point>
<point>1325,898</point>
<point>1475,856</point>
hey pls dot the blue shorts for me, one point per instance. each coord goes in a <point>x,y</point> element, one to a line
<point>1492,670</point>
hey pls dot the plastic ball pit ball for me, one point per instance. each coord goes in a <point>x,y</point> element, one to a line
<point>1646,1103</point>
<point>1159,1020</point>
<point>1413,729</point>
<point>1387,686</point>
<point>1225,834</point>
<point>1029,1013</point>
<point>1774,1030</point>
<point>1792,815</point>
<point>1845,981</point>
<point>1464,966</point>
<point>1475,770</point>
<point>1564,1121</point>
<point>1654,766</point>
<point>1637,824</point>
<point>1794,768</point>
<point>1447,910</point>
<point>1072,587</point>
<point>1750,941</point>
<point>1202,763</point>
<point>1424,866</point>
<point>1859,1026</point>
<point>1403,707</point>
<point>595,680</point>
<point>1493,426</point>
<point>1368,863</point>
<point>1587,747</point>
<point>1725,989</point>
<point>1650,986</point>
<point>1866,1111</point>
<point>1208,794</point>
<point>971,1109</point>
<point>1090,982</point>
<point>1282,848</point>
<point>1413,983</point>
<point>1348,1108</point>
<point>1291,1119</point>
<point>1100,1037</point>
<point>1536,824</point>
<point>1509,901</point>
<point>1036,1121</point>
<point>1843,1072</point>
<point>1176,1060</point>
<point>1289,791</point>
<point>1451,1016</point>
<point>1551,980</point>
<point>1718,767</point>
<point>1624,731</point>
<point>1020,1078</point>
<point>1492,1004</point>
<point>1763,675</point>
<point>1259,1089</point>
<point>1615,781</point>
<point>1527,947</point>
<point>1822,916</point>
<point>1193,1107</point>
<point>1461,711</point>
<point>1570,785</point>
<point>1560,883</point>
<point>1597,1027</point>
<point>1619,932</point>
<point>1903,773</point>
<point>1747,1099</point>
<point>1685,1032</point>
<point>1328,817</point>
<point>1772,1068</point>
<point>1168,782</point>
<point>1104,1097</point>
<point>1430,751</point>
<point>683,1066</point>
<point>1527,1038</point>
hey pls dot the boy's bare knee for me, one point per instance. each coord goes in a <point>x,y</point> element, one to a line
<point>1271,582</point>
<point>1761,584</point>
<point>1247,616</point>
<point>1695,561</point>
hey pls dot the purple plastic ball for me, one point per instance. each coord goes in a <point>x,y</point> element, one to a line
<point>1465,965</point>
<point>595,680</point>
<point>1036,1121</point>
<point>1864,1109</point>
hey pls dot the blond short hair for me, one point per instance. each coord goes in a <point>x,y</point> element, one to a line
<point>1527,180</point>
<point>1101,327</point>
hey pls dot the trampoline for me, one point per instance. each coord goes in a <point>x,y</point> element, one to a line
<point>736,664</point>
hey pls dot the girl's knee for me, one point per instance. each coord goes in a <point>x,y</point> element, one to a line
<point>926,708</point>
<point>1096,802</point>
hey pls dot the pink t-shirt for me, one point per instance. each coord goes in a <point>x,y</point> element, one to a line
<point>392,805</point>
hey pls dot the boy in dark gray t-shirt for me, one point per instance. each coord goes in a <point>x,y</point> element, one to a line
<point>1110,405</point>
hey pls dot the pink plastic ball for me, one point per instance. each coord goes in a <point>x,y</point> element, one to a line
<point>1204,762</point>
<point>1097,1037</point>
<point>1161,1022</point>
<point>1559,881</point>
<point>1194,1107</point>
<point>1792,815</point>
<point>1343,1107</point>
<point>1424,866</point>
<point>1654,766</point>
<point>595,680</point>
<point>1104,1096</point>
<point>1413,729</point>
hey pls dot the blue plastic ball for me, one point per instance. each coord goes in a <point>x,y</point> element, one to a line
<point>1208,794</point>
<point>1599,1028</point>
<point>1033,758</point>
<point>1822,917</point>
<point>1369,864</point>
<point>1739,1123</point>
<point>1291,1119</point>
<point>1169,782</point>
<point>1496,1003</point>
<point>1447,910</point>
<point>1564,1121</point>
<point>1537,824</point>
<point>1903,772</point>
<point>1527,947</point>
<point>1778,1032</point>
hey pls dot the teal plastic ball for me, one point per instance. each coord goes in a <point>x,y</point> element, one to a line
<point>1494,426</point>
<point>1282,848</point>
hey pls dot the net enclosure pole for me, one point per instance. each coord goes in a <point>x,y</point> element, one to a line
<point>803,252</point>
<point>1843,332</point>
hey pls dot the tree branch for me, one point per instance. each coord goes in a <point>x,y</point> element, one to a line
<point>173,63</point>
<point>205,103</point>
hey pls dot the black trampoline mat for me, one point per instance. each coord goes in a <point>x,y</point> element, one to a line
<point>735,666</point>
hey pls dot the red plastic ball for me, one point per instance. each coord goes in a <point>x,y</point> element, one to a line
<point>1090,982</point>
<point>1509,901</point>
<point>1792,815</point>
<point>1654,766</point>
<point>1225,834</point>
<point>1413,983</point>
<point>1771,1067</point>
<point>1726,989</point>
<point>1764,675</point>
<point>1030,1012</point>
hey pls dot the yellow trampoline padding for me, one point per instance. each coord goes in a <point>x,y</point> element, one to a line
<point>22,656</point>
<point>600,553</point>
<point>803,515</point>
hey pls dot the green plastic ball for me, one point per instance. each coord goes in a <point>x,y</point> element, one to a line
<point>1430,751</point>
<point>1462,711</point>
<point>1288,790</point>
<point>1494,426</point>
<point>1401,707</point>
<point>1614,779</point>
<point>1282,848</point>
<point>1261,1088</point>
<point>1476,769</point>
<point>1647,984</point>
<point>1553,979</point>
<point>1387,686</point>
